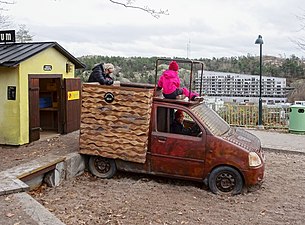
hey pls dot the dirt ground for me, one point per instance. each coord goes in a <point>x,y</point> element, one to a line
<point>11,156</point>
<point>140,199</point>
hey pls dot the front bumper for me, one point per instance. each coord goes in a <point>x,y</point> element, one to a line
<point>254,176</point>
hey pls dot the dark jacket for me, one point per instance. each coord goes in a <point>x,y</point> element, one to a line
<point>178,128</point>
<point>98,75</point>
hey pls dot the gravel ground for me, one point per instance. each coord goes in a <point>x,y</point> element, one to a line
<point>11,156</point>
<point>140,199</point>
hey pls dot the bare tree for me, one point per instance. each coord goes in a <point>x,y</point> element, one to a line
<point>5,21</point>
<point>297,94</point>
<point>23,34</point>
<point>301,41</point>
<point>3,3</point>
<point>131,4</point>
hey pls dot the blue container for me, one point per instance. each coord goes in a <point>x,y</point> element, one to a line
<point>45,102</point>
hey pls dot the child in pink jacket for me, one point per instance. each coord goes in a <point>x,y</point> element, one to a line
<point>170,83</point>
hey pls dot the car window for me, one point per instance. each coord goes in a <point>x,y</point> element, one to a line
<point>211,119</point>
<point>168,121</point>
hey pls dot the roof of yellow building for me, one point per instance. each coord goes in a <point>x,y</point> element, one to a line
<point>14,53</point>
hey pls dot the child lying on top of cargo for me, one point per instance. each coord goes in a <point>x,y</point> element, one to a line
<point>170,83</point>
<point>101,73</point>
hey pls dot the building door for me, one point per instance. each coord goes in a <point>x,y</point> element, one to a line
<point>45,105</point>
<point>62,113</point>
<point>72,101</point>
<point>34,114</point>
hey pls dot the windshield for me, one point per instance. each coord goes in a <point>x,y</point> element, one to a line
<point>211,119</point>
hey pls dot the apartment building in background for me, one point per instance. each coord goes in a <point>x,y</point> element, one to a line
<point>242,88</point>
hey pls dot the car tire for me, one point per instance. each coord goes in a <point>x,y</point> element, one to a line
<point>102,167</point>
<point>225,180</point>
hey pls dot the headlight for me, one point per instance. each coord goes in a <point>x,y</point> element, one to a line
<point>254,159</point>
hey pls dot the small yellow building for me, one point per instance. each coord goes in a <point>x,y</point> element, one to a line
<point>38,91</point>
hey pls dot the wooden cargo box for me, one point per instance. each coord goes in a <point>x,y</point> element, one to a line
<point>115,121</point>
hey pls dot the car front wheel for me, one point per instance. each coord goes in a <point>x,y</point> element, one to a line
<point>225,180</point>
<point>102,167</point>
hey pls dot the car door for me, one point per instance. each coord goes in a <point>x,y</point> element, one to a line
<point>175,154</point>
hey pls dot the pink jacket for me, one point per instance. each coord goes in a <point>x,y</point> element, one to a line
<point>169,81</point>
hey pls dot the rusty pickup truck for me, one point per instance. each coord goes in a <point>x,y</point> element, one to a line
<point>128,128</point>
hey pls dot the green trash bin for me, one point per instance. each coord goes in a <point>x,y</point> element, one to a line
<point>297,119</point>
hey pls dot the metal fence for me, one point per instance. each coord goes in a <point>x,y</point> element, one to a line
<point>273,117</point>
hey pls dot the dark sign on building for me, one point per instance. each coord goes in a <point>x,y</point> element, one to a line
<point>11,93</point>
<point>7,36</point>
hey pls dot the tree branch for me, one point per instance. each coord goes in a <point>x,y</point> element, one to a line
<point>6,2</point>
<point>152,12</point>
<point>5,21</point>
<point>301,42</point>
<point>302,21</point>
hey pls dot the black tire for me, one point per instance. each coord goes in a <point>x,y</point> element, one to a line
<point>102,167</point>
<point>225,180</point>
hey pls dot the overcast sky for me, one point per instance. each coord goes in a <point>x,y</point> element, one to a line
<point>211,28</point>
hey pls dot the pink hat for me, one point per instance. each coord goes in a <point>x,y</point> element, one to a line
<point>173,66</point>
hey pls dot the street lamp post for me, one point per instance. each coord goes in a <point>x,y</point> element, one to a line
<point>260,42</point>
